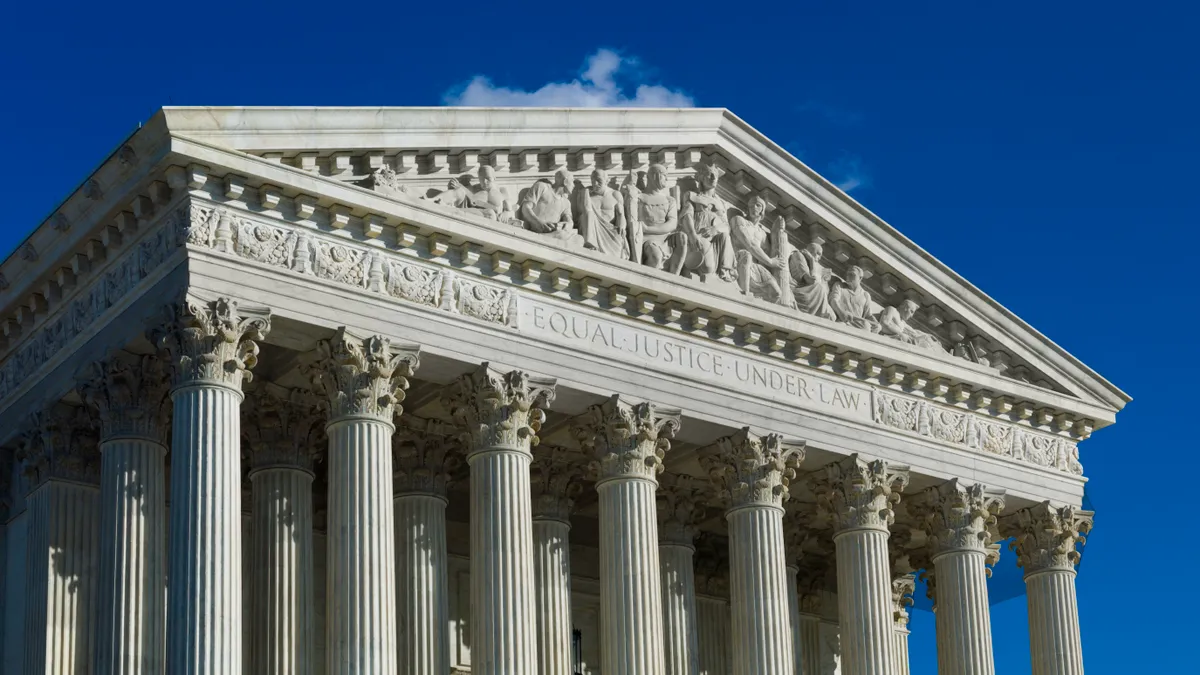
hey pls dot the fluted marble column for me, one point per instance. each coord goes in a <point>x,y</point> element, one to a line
<point>281,428</point>
<point>958,520</point>
<point>680,508</point>
<point>859,494</point>
<point>1046,536</point>
<point>754,473</point>
<point>810,634</point>
<point>61,462</point>
<point>364,381</point>
<point>555,487</point>
<point>423,460</point>
<point>902,590</point>
<point>128,392</point>
<point>628,442</point>
<point>502,412</point>
<point>211,345</point>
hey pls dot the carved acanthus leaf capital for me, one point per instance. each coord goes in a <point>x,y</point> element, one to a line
<point>211,341</point>
<point>60,443</point>
<point>499,410</point>
<point>557,480</point>
<point>799,530</point>
<point>681,508</point>
<point>281,428</point>
<point>626,440</point>
<point>362,377</point>
<point>425,459</point>
<point>957,516</point>
<point>711,565</point>
<point>903,587</point>
<point>752,470</point>
<point>128,392</point>
<point>858,493</point>
<point>1046,536</point>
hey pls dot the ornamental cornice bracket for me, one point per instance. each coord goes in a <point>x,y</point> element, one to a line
<point>626,439</point>
<point>499,409</point>
<point>751,469</point>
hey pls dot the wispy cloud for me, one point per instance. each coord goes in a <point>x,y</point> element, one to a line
<point>848,173</point>
<point>831,114</point>
<point>596,87</point>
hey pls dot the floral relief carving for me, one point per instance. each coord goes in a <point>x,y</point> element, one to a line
<point>957,516</point>
<point>857,493</point>
<point>60,443</point>
<point>1046,536</point>
<point>485,302</point>
<point>422,285</point>
<point>944,425</point>
<point>750,469</point>
<point>265,244</point>
<point>897,412</point>
<point>340,263</point>
<point>211,341</point>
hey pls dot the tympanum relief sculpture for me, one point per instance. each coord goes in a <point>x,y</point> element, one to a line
<point>689,230</point>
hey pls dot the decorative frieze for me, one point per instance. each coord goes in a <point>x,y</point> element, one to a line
<point>858,493</point>
<point>626,439</point>
<point>362,377</point>
<point>499,409</point>
<point>750,469</point>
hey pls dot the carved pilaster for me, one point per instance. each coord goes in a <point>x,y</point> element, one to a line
<point>280,428</point>
<point>128,392</point>
<point>211,341</point>
<point>1046,536</point>
<point>556,483</point>
<point>752,470</point>
<point>627,440</point>
<point>957,517</point>
<point>499,410</point>
<point>680,510</point>
<point>363,377</point>
<point>60,443</point>
<point>858,493</point>
<point>424,462</point>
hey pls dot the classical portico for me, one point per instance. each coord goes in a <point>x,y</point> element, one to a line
<point>515,392</point>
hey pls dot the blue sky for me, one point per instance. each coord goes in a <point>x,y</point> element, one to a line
<point>1046,151</point>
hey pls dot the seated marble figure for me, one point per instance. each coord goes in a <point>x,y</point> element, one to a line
<point>487,199</point>
<point>545,208</point>
<point>851,302</point>
<point>602,218</point>
<point>810,281</point>
<point>760,260</point>
<point>893,322</point>
<point>653,215</point>
<point>704,222</point>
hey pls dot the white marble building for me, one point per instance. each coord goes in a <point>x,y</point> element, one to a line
<point>513,392</point>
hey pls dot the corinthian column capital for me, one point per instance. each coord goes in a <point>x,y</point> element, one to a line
<point>280,428</point>
<point>752,470</point>
<point>680,510</point>
<point>211,341</point>
<point>60,443</point>
<point>556,484</point>
<point>859,493</point>
<point>362,377</point>
<point>1046,536</point>
<point>499,409</point>
<point>127,391</point>
<point>627,440</point>
<point>424,462</point>
<point>903,587</point>
<point>957,516</point>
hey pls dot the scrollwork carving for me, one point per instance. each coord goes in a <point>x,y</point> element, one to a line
<point>681,508</point>
<point>265,244</point>
<point>485,302</point>
<point>362,377</point>
<point>750,469</point>
<point>421,285</point>
<point>281,428</point>
<point>957,516</point>
<point>627,440</point>
<point>556,478</point>
<point>858,493</point>
<point>424,461</point>
<point>211,341</point>
<point>500,411</point>
<point>1046,536</point>
<point>337,262</point>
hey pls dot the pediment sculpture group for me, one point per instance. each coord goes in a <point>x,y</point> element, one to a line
<point>705,238</point>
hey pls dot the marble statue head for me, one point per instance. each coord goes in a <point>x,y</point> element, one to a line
<point>854,276</point>
<point>708,175</point>
<point>756,208</point>
<point>656,177</point>
<point>908,309</point>
<point>486,176</point>
<point>562,178</point>
<point>599,180</point>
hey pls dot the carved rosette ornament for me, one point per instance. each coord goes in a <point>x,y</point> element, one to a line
<point>1046,536</point>
<point>363,377</point>
<point>627,440</point>
<point>128,392</point>
<point>211,341</point>
<point>858,493</point>
<point>499,410</point>
<point>958,517</point>
<point>424,463</point>
<point>556,483</point>
<point>752,470</point>
<point>62,444</point>
<point>280,428</point>
<point>680,510</point>
<point>903,587</point>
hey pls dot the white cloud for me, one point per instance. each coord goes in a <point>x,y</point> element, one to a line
<point>848,173</point>
<point>596,87</point>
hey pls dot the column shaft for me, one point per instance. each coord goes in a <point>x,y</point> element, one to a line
<point>204,634</point>
<point>1053,622</point>
<point>682,645</point>
<point>62,550</point>
<point>361,625</point>
<point>422,593</point>
<point>964,631</point>
<point>793,596</point>
<point>762,638</point>
<point>131,602</point>
<point>282,598</point>
<point>552,576</point>
<point>631,610</point>
<point>810,645</point>
<point>713,631</point>
<point>864,601</point>
<point>901,651</point>
<point>502,597</point>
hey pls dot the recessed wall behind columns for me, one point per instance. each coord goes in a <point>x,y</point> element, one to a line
<point>321,307</point>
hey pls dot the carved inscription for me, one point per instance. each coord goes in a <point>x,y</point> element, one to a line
<point>631,344</point>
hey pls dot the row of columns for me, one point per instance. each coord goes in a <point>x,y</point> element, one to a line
<point>387,535</point>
